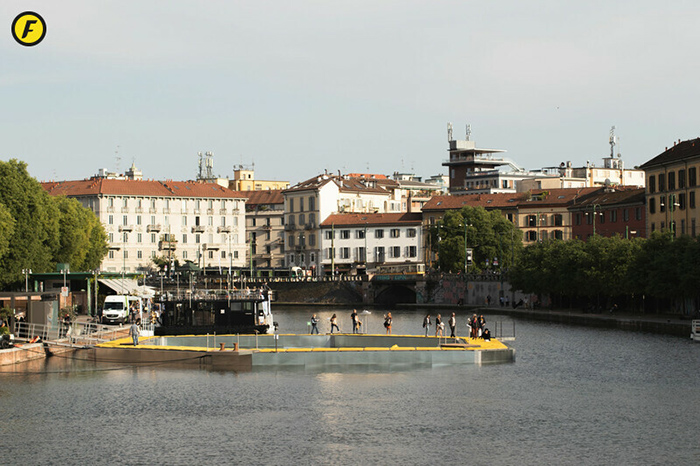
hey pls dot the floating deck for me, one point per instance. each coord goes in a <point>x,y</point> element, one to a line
<point>316,352</point>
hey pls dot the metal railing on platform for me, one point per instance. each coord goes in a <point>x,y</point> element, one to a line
<point>75,333</point>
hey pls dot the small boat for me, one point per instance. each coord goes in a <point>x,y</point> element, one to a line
<point>220,312</point>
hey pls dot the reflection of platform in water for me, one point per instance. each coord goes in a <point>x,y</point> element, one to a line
<point>307,351</point>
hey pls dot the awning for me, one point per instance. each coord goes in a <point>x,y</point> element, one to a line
<point>128,286</point>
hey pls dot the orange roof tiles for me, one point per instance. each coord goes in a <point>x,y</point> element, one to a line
<point>371,219</point>
<point>146,188</point>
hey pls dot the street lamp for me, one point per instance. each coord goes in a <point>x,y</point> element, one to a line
<point>594,215</point>
<point>27,273</point>
<point>466,250</point>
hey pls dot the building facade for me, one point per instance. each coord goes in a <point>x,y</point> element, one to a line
<point>171,220</point>
<point>357,242</point>
<point>265,228</point>
<point>671,189</point>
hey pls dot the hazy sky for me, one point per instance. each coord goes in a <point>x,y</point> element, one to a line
<point>299,87</point>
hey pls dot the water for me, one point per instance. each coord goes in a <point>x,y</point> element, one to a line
<point>574,396</point>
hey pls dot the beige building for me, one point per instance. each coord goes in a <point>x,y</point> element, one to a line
<point>265,228</point>
<point>244,180</point>
<point>176,220</point>
<point>671,189</point>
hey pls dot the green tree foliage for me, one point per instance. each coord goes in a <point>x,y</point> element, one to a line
<point>7,229</point>
<point>83,242</point>
<point>35,237</point>
<point>37,230</point>
<point>488,234</point>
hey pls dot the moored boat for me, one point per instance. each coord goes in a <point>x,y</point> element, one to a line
<point>220,312</point>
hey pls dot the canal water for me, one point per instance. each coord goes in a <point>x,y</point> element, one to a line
<point>574,396</point>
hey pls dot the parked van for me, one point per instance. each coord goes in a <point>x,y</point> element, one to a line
<point>116,308</point>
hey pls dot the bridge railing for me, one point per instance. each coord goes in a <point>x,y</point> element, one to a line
<point>81,333</point>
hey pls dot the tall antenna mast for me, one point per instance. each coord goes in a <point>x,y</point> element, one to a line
<point>469,132</point>
<point>613,140</point>
<point>117,159</point>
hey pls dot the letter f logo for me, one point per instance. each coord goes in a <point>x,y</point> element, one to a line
<point>28,28</point>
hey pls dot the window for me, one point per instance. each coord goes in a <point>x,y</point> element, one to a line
<point>211,254</point>
<point>681,179</point>
<point>662,204</point>
<point>361,254</point>
<point>291,206</point>
<point>652,184</point>
<point>395,232</point>
<point>625,215</point>
<point>531,221</point>
<point>411,233</point>
<point>312,203</point>
<point>197,238</point>
<point>379,233</point>
<point>379,253</point>
<point>578,218</point>
<point>223,254</point>
<point>184,220</point>
<point>125,220</point>
<point>692,180</point>
<point>329,234</point>
<point>681,201</point>
<point>692,227</point>
<point>330,253</point>
<point>110,202</point>
<point>111,254</point>
<point>360,234</point>
<point>531,235</point>
<point>290,241</point>
<point>184,254</point>
<point>111,237</point>
<point>110,220</point>
<point>395,251</point>
<point>671,181</point>
<point>139,254</point>
<point>558,234</point>
<point>344,234</point>
<point>138,220</point>
<point>558,220</point>
<point>312,239</point>
<point>662,182</point>
<point>412,251</point>
<point>691,199</point>
<point>652,205</point>
<point>184,239</point>
<point>345,253</point>
<point>613,216</point>
<point>139,237</point>
<point>638,213</point>
<point>210,221</point>
<point>302,219</point>
<point>153,237</point>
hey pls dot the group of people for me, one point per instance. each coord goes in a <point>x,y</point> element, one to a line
<point>354,319</point>
<point>476,325</point>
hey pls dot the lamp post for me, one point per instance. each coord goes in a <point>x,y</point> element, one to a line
<point>594,215</point>
<point>672,204</point>
<point>27,273</point>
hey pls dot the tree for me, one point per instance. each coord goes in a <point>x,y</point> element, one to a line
<point>7,229</point>
<point>36,235</point>
<point>82,239</point>
<point>487,233</point>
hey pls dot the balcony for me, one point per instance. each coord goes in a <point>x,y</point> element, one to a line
<point>126,228</point>
<point>290,227</point>
<point>198,229</point>
<point>266,227</point>
<point>153,227</point>
<point>309,226</point>
<point>222,211</point>
<point>167,245</point>
<point>223,230</point>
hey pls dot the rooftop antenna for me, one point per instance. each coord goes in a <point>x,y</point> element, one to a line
<point>449,132</point>
<point>201,166</point>
<point>613,140</point>
<point>117,159</point>
<point>209,165</point>
<point>469,132</point>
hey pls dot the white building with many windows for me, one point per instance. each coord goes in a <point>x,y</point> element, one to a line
<point>308,203</point>
<point>357,241</point>
<point>175,220</point>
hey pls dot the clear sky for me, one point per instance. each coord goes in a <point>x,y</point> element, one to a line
<point>364,85</point>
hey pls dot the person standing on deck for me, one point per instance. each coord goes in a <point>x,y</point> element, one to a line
<point>355,324</point>
<point>134,333</point>
<point>314,324</point>
<point>334,323</point>
<point>426,324</point>
<point>453,324</point>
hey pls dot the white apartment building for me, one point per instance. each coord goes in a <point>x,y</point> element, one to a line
<point>308,203</point>
<point>176,220</point>
<point>358,241</point>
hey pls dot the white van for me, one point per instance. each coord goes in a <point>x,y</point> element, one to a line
<point>116,308</point>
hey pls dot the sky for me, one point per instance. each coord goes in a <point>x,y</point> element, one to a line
<point>359,86</point>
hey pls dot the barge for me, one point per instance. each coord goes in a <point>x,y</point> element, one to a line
<point>218,312</point>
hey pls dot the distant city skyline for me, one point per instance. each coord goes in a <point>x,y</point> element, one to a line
<point>362,86</point>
